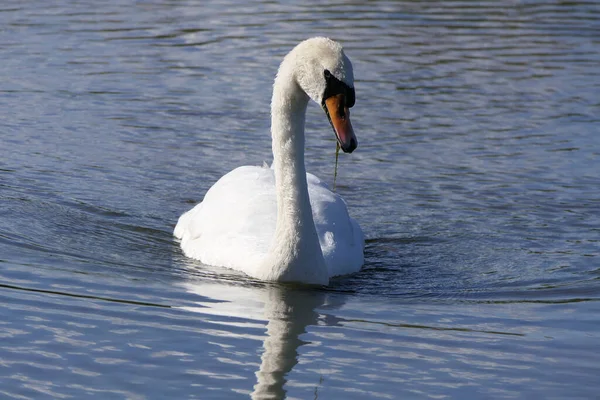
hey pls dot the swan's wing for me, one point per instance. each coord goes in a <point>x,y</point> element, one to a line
<point>234,224</point>
<point>342,240</point>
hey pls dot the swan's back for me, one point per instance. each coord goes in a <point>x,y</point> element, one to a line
<point>234,225</point>
<point>340,236</point>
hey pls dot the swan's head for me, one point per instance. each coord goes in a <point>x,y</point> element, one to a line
<point>325,73</point>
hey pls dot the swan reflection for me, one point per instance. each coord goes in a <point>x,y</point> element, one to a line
<point>288,312</point>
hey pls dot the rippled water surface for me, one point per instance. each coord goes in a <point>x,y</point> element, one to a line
<point>477,183</point>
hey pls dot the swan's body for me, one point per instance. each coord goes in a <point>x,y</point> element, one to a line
<point>282,224</point>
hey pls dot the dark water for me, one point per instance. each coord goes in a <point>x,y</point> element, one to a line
<point>477,183</point>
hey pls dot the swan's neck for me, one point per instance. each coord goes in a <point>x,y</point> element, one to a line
<point>295,253</point>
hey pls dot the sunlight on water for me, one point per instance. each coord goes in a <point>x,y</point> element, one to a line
<point>476,182</point>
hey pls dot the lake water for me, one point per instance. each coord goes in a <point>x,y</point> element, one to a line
<point>476,182</point>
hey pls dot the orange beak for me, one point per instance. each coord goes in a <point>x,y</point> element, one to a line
<point>339,117</point>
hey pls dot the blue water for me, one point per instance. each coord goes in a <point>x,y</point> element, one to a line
<point>476,182</point>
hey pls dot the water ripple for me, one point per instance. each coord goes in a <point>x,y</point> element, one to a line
<point>476,184</point>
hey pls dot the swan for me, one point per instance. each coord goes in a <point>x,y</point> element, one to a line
<point>281,223</point>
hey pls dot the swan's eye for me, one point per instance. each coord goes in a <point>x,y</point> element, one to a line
<point>350,98</point>
<point>334,87</point>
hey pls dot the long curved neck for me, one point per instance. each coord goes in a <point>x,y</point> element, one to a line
<point>288,113</point>
<point>295,253</point>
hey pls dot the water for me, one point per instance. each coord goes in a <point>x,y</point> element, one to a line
<point>476,182</point>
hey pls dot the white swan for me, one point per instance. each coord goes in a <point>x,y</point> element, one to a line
<point>280,223</point>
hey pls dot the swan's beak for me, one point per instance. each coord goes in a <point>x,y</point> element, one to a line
<point>339,117</point>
